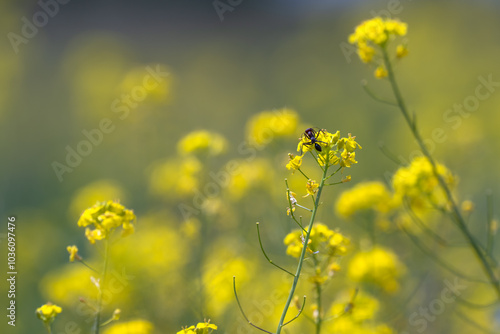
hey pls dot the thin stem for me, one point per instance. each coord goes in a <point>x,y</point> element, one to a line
<point>264,252</point>
<point>318,319</point>
<point>241,309</point>
<point>460,222</point>
<point>301,172</point>
<point>364,84</point>
<point>101,286</point>
<point>300,311</point>
<point>87,265</point>
<point>431,255</point>
<point>303,253</point>
<point>490,233</point>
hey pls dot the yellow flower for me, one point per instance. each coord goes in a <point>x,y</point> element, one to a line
<point>373,34</point>
<point>202,141</point>
<point>138,326</point>
<point>377,31</point>
<point>175,177</point>
<point>295,162</point>
<point>401,51</point>
<point>116,314</point>
<point>311,187</point>
<point>348,159</point>
<point>378,266</point>
<point>262,128</point>
<point>418,184</point>
<point>48,312</point>
<point>364,196</point>
<point>73,253</point>
<point>105,218</point>
<point>349,144</point>
<point>365,53</point>
<point>188,330</point>
<point>380,72</point>
<point>321,239</point>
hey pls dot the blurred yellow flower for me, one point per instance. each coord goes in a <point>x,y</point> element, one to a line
<point>380,72</point>
<point>348,159</point>
<point>377,266</point>
<point>98,191</point>
<point>218,272</point>
<point>48,312</point>
<point>73,253</point>
<point>322,239</point>
<point>401,51</point>
<point>202,141</point>
<point>364,196</point>
<point>153,88</point>
<point>105,218</point>
<point>377,31</point>
<point>418,184</point>
<point>138,326</point>
<point>250,175</point>
<point>263,127</point>
<point>175,177</point>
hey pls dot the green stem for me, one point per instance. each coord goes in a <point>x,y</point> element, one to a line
<point>319,319</point>
<point>454,207</point>
<point>303,253</point>
<point>101,287</point>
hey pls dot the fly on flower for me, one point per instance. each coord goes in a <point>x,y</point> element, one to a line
<point>313,136</point>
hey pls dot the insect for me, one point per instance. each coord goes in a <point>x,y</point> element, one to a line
<point>312,135</point>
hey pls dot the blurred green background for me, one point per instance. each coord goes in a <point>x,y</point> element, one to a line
<point>261,56</point>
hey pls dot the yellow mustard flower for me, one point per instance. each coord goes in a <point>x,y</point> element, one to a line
<point>321,239</point>
<point>373,35</point>
<point>294,162</point>
<point>116,314</point>
<point>418,184</point>
<point>202,141</point>
<point>264,127</point>
<point>48,312</point>
<point>348,159</point>
<point>377,266</point>
<point>175,177</point>
<point>311,187</point>
<point>364,196</point>
<point>105,217</point>
<point>377,31</point>
<point>467,206</point>
<point>73,253</point>
<point>401,51</point>
<point>380,72</point>
<point>138,326</point>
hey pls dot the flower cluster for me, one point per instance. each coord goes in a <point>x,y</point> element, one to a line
<point>265,126</point>
<point>105,218</point>
<point>322,240</point>
<point>377,266</point>
<point>376,33</point>
<point>201,328</point>
<point>202,141</point>
<point>332,150</point>
<point>418,184</point>
<point>364,196</point>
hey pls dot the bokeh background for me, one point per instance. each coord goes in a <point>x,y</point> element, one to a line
<point>260,57</point>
